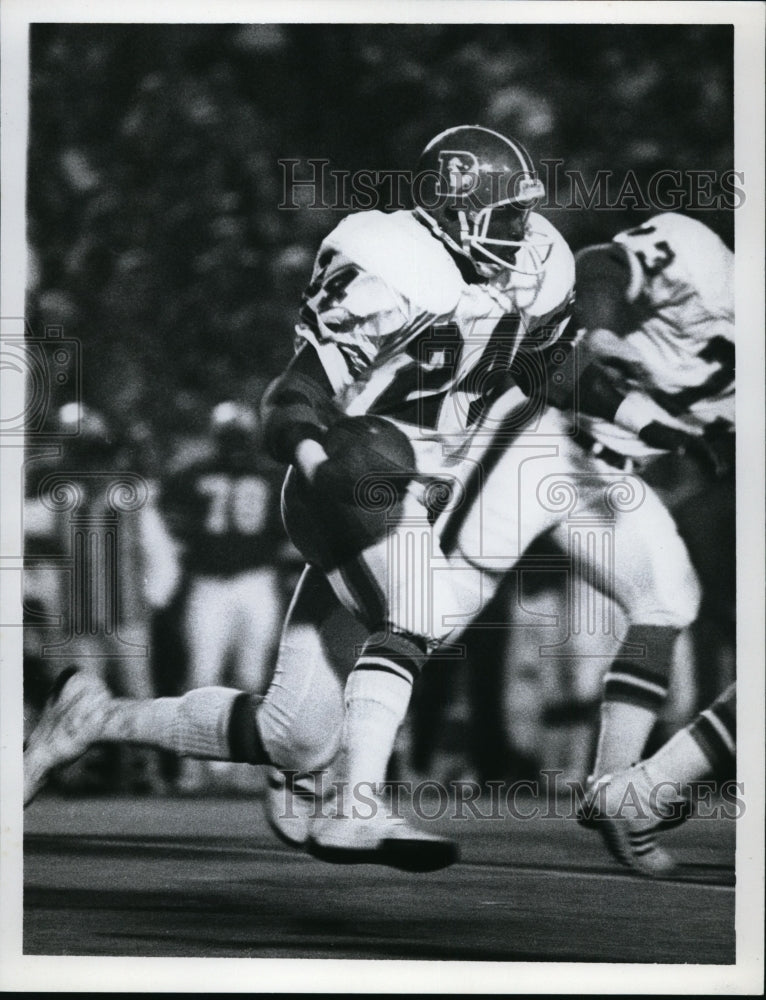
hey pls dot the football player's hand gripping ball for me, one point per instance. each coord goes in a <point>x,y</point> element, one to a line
<point>365,454</point>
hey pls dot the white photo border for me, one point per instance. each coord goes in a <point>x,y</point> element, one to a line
<point>28,973</point>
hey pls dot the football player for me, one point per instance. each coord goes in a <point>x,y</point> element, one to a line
<point>410,317</point>
<point>416,317</point>
<point>651,576</point>
<point>93,456</point>
<point>655,320</point>
<point>224,513</point>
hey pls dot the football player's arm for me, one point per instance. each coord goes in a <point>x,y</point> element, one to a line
<point>588,385</point>
<point>601,318</point>
<point>602,276</point>
<point>347,314</point>
<point>297,411</point>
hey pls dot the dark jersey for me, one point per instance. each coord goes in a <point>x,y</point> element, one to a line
<point>227,518</point>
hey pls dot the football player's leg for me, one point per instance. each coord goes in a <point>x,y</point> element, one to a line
<point>360,828</point>
<point>387,584</point>
<point>512,488</point>
<point>260,619</point>
<point>655,793</point>
<point>707,746</point>
<point>653,582</point>
<point>208,723</point>
<point>213,723</point>
<point>301,715</point>
<point>385,588</point>
<point>411,598</point>
<point>208,627</point>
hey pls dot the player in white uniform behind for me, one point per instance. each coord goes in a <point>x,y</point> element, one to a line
<point>657,308</point>
<point>655,315</point>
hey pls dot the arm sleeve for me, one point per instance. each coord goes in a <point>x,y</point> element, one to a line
<point>297,405</point>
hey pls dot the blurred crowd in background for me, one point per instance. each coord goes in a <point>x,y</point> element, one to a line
<point>157,241</point>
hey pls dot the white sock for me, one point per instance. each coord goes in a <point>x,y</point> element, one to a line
<point>681,759</point>
<point>624,731</point>
<point>195,725</point>
<point>376,704</point>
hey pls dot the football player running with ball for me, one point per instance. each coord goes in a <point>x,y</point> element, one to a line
<point>407,320</point>
<point>413,490</point>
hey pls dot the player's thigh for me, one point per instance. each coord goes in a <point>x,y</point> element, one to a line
<point>259,603</point>
<point>260,618</point>
<point>302,711</point>
<point>509,494</point>
<point>639,560</point>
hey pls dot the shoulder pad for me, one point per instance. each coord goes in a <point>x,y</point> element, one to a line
<point>681,248</point>
<point>401,252</point>
<point>557,282</point>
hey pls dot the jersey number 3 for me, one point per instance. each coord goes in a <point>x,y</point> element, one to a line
<point>657,257</point>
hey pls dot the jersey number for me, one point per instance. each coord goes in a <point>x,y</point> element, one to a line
<point>656,259</point>
<point>236,505</point>
<point>333,289</point>
<point>719,350</point>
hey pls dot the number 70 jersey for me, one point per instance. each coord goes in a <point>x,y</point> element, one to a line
<point>227,517</point>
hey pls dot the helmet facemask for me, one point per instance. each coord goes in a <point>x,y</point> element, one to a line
<point>498,236</point>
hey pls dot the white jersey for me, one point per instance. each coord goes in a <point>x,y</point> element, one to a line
<point>401,333</point>
<point>680,347</point>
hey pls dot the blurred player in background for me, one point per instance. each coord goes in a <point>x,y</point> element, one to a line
<point>98,595</point>
<point>224,513</point>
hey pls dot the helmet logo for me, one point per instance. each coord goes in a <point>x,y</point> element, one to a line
<point>459,173</point>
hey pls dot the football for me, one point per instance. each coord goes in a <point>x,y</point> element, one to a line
<point>355,496</point>
<point>366,453</point>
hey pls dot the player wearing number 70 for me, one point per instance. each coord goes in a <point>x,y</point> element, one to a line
<point>224,512</point>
